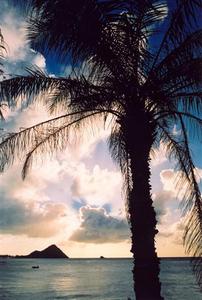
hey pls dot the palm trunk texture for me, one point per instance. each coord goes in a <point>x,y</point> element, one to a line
<point>142,215</point>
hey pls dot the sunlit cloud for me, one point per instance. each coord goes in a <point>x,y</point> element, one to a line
<point>40,205</point>
<point>72,194</point>
<point>174,232</point>
<point>159,155</point>
<point>170,237</point>
<point>97,186</point>
<point>169,179</point>
<point>19,54</point>
<point>39,60</point>
<point>174,182</point>
<point>34,219</point>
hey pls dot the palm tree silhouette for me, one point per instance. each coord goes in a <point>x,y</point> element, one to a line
<point>138,64</point>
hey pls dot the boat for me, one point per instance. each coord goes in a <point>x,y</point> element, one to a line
<point>35,267</point>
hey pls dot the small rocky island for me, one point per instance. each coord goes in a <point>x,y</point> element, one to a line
<point>50,252</point>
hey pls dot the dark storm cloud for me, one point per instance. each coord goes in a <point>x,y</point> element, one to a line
<point>98,227</point>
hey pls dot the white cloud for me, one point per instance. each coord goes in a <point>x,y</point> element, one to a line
<point>12,27</point>
<point>171,224</point>
<point>36,207</point>
<point>39,205</point>
<point>39,60</point>
<point>26,207</point>
<point>158,155</point>
<point>97,186</point>
<point>72,177</point>
<point>175,182</point>
<point>198,174</point>
<point>168,178</point>
<point>19,54</point>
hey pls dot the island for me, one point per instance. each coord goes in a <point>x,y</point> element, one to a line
<point>50,252</point>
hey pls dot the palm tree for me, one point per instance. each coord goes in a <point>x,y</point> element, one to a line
<point>142,72</point>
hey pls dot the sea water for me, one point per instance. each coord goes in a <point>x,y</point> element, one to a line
<point>85,279</point>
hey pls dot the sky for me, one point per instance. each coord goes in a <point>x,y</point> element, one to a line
<point>75,199</point>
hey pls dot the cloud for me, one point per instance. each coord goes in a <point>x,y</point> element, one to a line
<point>49,200</point>
<point>174,232</point>
<point>168,213</point>
<point>19,53</point>
<point>159,155</point>
<point>179,232</point>
<point>39,60</point>
<point>161,201</point>
<point>198,174</point>
<point>168,178</point>
<point>171,224</point>
<point>27,208</point>
<point>38,205</point>
<point>66,177</point>
<point>34,219</point>
<point>173,182</point>
<point>99,227</point>
<point>96,186</point>
<point>12,25</point>
<point>176,131</point>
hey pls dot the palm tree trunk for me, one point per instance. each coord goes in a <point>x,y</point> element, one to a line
<point>143,228</point>
<point>142,215</point>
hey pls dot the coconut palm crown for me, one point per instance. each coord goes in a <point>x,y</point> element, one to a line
<point>139,64</point>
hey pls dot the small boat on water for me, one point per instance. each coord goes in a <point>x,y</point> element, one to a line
<point>35,267</point>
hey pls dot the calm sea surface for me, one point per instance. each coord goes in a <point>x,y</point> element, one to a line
<point>85,279</point>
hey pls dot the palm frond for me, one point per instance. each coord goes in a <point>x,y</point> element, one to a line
<point>182,77</point>
<point>119,154</point>
<point>65,27</point>
<point>178,148</point>
<point>26,87</point>
<point>60,88</point>
<point>190,48</point>
<point>43,138</point>
<point>182,21</point>
<point>117,69</point>
<point>193,231</point>
<point>193,123</point>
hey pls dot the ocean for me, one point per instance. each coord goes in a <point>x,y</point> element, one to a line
<point>86,279</point>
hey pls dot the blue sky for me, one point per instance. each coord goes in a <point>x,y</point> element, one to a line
<point>75,199</point>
